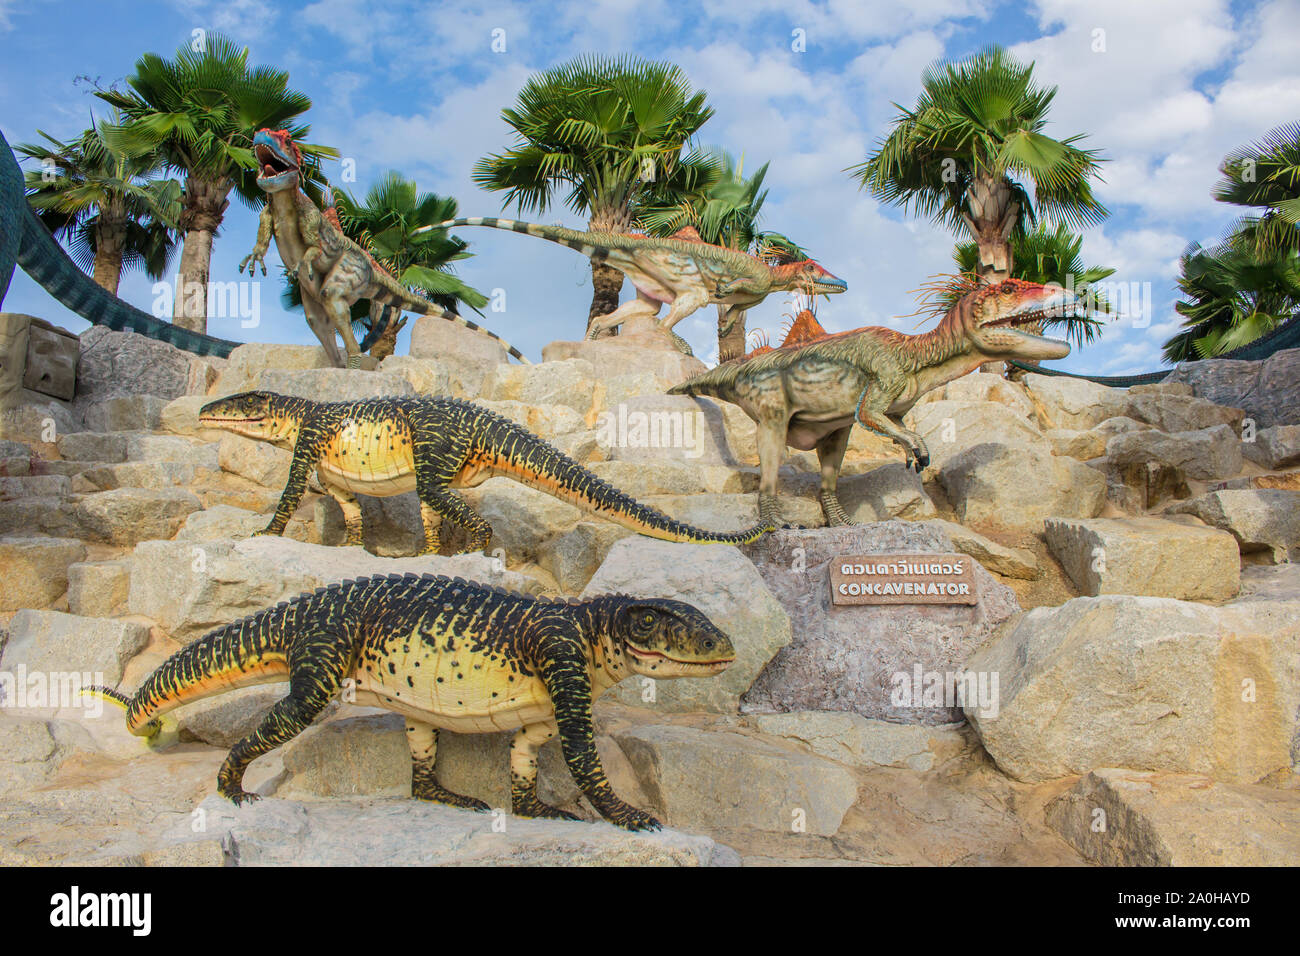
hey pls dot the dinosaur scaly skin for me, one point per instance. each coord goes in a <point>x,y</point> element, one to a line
<point>388,446</point>
<point>808,395</point>
<point>446,654</point>
<point>332,270</point>
<point>24,241</point>
<point>683,271</point>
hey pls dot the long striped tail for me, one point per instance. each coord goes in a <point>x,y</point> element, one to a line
<point>519,454</point>
<point>584,242</point>
<point>250,651</point>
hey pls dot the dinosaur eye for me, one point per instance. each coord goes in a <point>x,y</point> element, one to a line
<point>1008,286</point>
<point>648,618</point>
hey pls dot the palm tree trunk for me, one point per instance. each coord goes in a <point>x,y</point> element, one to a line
<point>204,205</point>
<point>731,342</point>
<point>992,214</point>
<point>108,254</point>
<point>606,281</point>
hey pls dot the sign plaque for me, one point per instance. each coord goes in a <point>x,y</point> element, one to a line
<point>927,578</point>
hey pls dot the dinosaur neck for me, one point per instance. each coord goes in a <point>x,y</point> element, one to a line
<point>786,276</point>
<point>608,662</point>
<point>288,412</point>
<point>942,354</point>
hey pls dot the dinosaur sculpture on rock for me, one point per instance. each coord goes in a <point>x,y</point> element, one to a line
<point>388,446</point>
<point>682,270</point>
<point>332,270</point>
<point>808,393</point>
<point>446,654</point>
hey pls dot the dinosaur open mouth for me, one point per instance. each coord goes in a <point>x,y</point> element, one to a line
<point>231,421</point>
<point>651,656</point>
<point>271,164</point>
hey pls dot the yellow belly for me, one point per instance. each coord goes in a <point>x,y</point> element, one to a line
<point>372,461</point>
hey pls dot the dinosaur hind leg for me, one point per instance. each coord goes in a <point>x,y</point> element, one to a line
<point>344,286</point>
<point>523,774</point>
<point>323,329</point>
<point>351,514</point>
<point>642,305</point>
<point>830,455</point>
<point>423,741</point>
<point>444,503</point>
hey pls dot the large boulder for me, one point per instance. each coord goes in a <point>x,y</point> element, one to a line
<point>1076,403</point>
<point>1181,413</point>
<point>611,358</point>
<point>998,558</point>
<point>1261,519</point>
<point>1267,391</point>
<point>1151,556</point>
<point>125,364</point>
<point>950,427</point>
<point>98,588</point>
<point>127,516</point>
<point>247,363</point>
<point>35,569</point>
<point>1276,447</point>
<point>986,485</point>
<point>677,428</point>
<point>864,658</point>
<point>1146,683</point>
<point>571,383</point>
<point>335,384</point>
<point>719,581</point>
<point>54,643</point>
<point>462,357</point>
<point>1130,818</point>
<point>1206,453</point>
<point>858,742</point>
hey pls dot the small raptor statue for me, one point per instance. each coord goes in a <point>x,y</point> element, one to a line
<point>682,270</point>
<point>388,446</point>
<point>808,393</point>
<point>446,654</point>
<point>332,270</point>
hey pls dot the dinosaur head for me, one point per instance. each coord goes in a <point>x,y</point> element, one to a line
<point>993,318</point>
<point>807,276</point>
<point>262,415</point>
<point>278,160</point>
<point>663,638</point>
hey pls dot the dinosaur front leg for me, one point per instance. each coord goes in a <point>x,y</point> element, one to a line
<point>686,302</point>
<point>423,742</point>
<point>524,801</point>
<point>830,455</point>
<point>561,662</point>
<point>305,457</point>
<point>871,414</point>
<point>265,231</point>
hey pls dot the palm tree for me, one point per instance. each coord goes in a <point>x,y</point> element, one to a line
<point>1232,296</point>
<point>976,125</point>
<point>1266,176</point>
<point>199,111</point>
<point>383,223</point>
<point>609,130</point>
<point>110,209</point>
<point>725,209</point>
<point>1048,256</point>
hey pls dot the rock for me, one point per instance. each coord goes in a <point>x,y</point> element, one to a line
<point>97,588</point>
<point>1277,582</point>
<point>1263,519</point>
<point>463,355</point>
<point>360,756</point>
<point>390,526</point>
<point>984,387</point>
<point>1074,402</point>
<point>55,643</point>
<point>1104,682</point>
<point>1161,388</point>
<point>50,486</point>
<point>1276,447</point>
<point>854,740</point>
<point>142,446</point>
<point>35,570</point>
<point>191,587</point>
<point>732,513</point>
<point>125,364</point>
<point>720,582</point>
<point>426,377</point>
<point>699,779</point>
<point>180,416</point>
<point>33,748</point>
<point>247,363</point>
<point>863,658</point>
<point>611,358</point>
<point>891,490</point>
<point>572,558</point>
<point>655,428</point>
<point>950,428</point>
<point>405,832</point>
<point>642,480</point>
<point>1151,556</point>
<point>125,413</point>
<point>93,446</point>
<point>139,474</point>
<point>335,384</point>
<point>1086,445</point>
<point>1206,453</point>
<point>224,721</point>
<point>1162,819</point>
<point>1139,487</point>
<point>225,521</point>
<point>523,520</point>
<point>1008,562</point>
<point>127,516</point>
<point>986,485</point>
<point>1267,391</point>
<point>261,463</point>
<point>545,421</point>
<point>571,383</point>
<point>1182,413</point>
<point>38,425</point>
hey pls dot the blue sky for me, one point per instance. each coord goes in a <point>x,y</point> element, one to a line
<point>416,87</point>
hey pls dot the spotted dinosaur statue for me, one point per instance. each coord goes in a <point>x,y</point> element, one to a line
<point>446,654</point>
<point>332,270</point>
<point>388,446</point>
<point>682,270</point>
<point>808,394</point>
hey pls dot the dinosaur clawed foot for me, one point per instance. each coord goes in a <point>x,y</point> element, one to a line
<point>628,817</point>
<point>522,806</point>
<point>242,798</point>
<point>436,793</point>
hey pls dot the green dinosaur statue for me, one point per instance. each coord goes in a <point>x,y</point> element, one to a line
<point>446,654</point>
<point>24,241</point>
<point>682,270</point>
<point>808,395</point>
<point>388,446</point>
<point>333,272</point>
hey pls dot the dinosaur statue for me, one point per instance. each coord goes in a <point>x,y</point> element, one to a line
<point>809,393</point>
<point>682,270</point>
<point>446,654</point>
<point>388,446</point>
<point>332,270</point>
<point>24,241</point>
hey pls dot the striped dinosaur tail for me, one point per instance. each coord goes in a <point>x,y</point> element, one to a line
<point>584,242</point>
<point>519,454</point>
<point>246,652</point>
